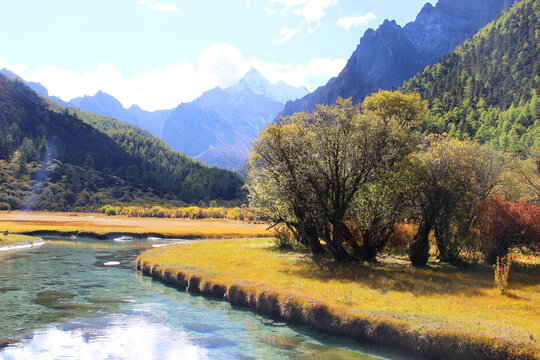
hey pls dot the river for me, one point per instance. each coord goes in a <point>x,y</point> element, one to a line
<point>84,299</point>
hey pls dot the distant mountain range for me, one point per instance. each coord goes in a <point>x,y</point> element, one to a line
<point>217,128</point>
<point>37,87</point>
<point>392,54</point>
<point>61,158</point>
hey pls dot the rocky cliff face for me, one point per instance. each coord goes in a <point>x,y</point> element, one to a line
<point>387,57</point>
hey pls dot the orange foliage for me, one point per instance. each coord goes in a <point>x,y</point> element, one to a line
<point>504,224</point>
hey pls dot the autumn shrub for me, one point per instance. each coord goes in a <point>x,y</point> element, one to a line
<point>191,212</point>
<point>134,211</point>
<point>5,206</point>
<point>194,212</point>
<point>240,213</point>
<point>110,210</point>
<point>502,271</point>
<point>504,225</point>
<point>284,238</point>
<point>401,237</point>
<point>216,212</point>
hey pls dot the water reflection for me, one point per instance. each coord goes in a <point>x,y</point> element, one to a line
<point>64,301</point>
<point>116,337</point>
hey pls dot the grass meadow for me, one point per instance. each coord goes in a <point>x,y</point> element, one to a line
<point>100,224</point>
<point>440,298</point>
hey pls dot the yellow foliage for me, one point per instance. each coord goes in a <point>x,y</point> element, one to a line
<point>191,212</point>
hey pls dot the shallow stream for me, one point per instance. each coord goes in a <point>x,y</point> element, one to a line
<point>83,299</point>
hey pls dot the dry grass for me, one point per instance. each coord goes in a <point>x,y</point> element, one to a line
<point>442,299</point>
<point>99,224</point>
<point>14,239</point>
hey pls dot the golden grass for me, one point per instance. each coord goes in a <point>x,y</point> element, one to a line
<point>463,303</point>
<point>99,224</point>
<point>14,239</point>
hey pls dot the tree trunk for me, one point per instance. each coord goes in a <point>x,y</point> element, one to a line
<point>369,249</point>
<point>335,246</point>
<point>441,241</point>
<point>419,249</point>
<point>313,240</point>
<point>349,237</point>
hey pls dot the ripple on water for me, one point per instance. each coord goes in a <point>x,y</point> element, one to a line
<point>10,288</point>
<point>17,256</point>
<point>202,328</point>
<point>89,286</point>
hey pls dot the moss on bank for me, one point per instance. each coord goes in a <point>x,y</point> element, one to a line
<point>437,313</point>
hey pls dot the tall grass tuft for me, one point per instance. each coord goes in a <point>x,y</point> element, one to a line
<point>502,270</point>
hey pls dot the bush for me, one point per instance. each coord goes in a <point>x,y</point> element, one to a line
<point>502,270</point>
<point>192,212</point>
<point>402,237</point>
<point>504,225</point>
<point>284,238</point>
<point>5,206</point>
<point>110,210</point>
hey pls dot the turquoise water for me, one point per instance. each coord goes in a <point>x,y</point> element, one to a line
<point>84,299</point>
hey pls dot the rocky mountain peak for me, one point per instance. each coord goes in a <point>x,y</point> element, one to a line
<point>388,56</point>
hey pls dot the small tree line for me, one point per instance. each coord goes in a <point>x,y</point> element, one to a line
<point>343,178</point>
<point>189,212</point>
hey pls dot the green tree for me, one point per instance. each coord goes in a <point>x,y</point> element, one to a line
<point>308,171</point>
<point>452,178</point>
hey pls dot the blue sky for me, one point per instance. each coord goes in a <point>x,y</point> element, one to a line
<point>159,53</point>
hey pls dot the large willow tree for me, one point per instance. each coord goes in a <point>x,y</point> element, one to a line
<point>309,171</point>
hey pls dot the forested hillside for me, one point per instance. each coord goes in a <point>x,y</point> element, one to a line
<point>163,167</point>
<point>392,54</point>
<point>487,88</point>
<point>36,134</point>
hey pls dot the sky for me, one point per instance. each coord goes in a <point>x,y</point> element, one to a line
<point>159,53</point>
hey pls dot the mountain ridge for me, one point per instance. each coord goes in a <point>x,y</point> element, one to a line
<point>392,54</point>
<point>105,148</point>
<point>217,127</point>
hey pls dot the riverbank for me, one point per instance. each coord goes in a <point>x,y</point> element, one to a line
<point>102,226</point>
<point>439,312</point>
<point>18,241</point>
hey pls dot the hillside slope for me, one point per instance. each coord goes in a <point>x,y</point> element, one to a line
<point>35,130</point>
<point>488,88</point>
<point>386,57</point>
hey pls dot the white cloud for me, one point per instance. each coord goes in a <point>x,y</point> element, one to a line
<point>299,75</point>
<point>352,21</point>
<point>17,69</point>
<point>167,86</point>
<point>310,11</point>
<point>286,34</point>
<point>159,6</point>
<point>314,10</point>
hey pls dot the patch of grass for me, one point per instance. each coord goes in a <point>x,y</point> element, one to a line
<point>14,239</point>
<point>99,224</point>
<point>439,299</point>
